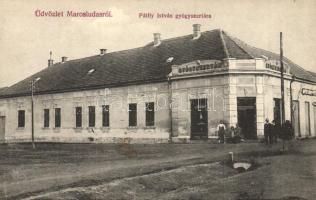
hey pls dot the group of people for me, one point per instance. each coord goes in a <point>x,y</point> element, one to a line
<point>273,131</point>
<point>233,135</point>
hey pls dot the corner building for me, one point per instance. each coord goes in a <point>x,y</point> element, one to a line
<point>172,90</point>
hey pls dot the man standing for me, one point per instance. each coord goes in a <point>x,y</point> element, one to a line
<point>221,132</point>
<point>267,132</point>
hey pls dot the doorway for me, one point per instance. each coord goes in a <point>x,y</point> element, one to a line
<point>2,128</point>
<point>199,118</point>
<point>307,119</point>
<point>247,116</point>
<point>296,118</point>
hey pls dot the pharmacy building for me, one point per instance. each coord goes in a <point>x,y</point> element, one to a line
<point>170,90</point>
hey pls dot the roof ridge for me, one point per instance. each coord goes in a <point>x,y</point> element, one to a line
<point>224,43</point>
<point>179,37</point>
<point>233,40</point>
<point>135,48</point>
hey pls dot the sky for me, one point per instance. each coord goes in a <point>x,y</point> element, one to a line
<point>26,40</point>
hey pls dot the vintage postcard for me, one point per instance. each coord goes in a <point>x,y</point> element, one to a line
<point>148,99</point>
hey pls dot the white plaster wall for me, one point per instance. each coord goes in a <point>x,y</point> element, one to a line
<point>272,90</point>
<point>214,89</point>
<point>117,98</point>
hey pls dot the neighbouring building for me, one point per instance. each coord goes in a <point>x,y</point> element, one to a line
<point>175,89</point>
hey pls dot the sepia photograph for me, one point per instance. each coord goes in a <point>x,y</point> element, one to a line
<point>166,100</point>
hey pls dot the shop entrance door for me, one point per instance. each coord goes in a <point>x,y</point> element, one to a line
<point>296,118</point>
<point>247,116</point>
<point>199,125</point>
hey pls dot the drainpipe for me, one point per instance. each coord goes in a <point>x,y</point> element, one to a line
<point>291,98</point>
<point>170,107</point>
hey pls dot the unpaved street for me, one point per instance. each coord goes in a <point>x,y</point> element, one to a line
<point>160,171</point>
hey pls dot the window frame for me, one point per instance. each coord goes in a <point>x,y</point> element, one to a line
<point>150,114</point>
<point>57,117</point>
<point>105,115</point>
<point>46,118</point>
<point>91,116</point>
<point>21,119</point>
<point>132,115</point>
<point>78,114</point>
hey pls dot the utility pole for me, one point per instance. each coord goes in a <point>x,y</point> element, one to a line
<point>32,107</point>
<point>282,88</point>
<point>282,81</point>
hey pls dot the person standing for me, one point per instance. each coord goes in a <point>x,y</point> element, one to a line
<point>221,132</point>
<point>267,131</point>
<point>287,132</point>
<point>275,128</point>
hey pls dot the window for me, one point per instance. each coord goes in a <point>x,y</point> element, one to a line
<point>91,116</point>
<point>150,114</point>
<point>78,116</point>
<point>105,116</point>
<point>57,117</point>
<point>46,118</point>
<point>21,118</point>
<point>132,114</point>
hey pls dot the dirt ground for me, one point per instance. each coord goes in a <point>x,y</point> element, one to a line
<point>156,171</point>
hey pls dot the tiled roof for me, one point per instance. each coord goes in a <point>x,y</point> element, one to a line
<point>2,89</point>
<point>140,65</point>
<point>258,53</point>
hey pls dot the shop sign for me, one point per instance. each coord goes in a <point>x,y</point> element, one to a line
<point>276,65</point>
<point>308,92</point>
<point>200,66</point>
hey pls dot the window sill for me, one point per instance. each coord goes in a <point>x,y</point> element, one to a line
<point>20,128</point>
<point>45,128</point>
<point>78,128</point>
<point>150,127</point>
<point>57,128</point>
<point>132,127</point>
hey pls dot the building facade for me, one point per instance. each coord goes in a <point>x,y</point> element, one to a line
<point>173,90</point>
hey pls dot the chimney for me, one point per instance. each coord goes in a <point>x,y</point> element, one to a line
<point>157,39</point>
<point>64,59</point>
<point>196,31</point>
<point>50,60</point>
<point>102,52</point>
